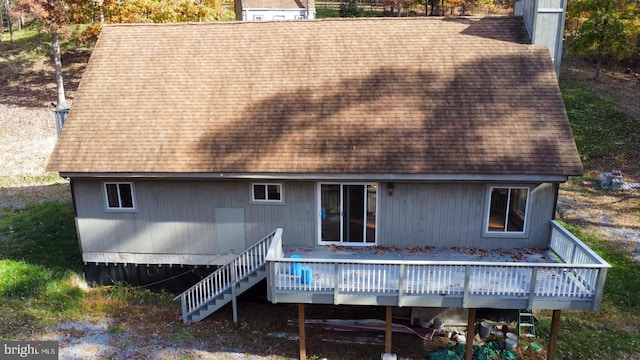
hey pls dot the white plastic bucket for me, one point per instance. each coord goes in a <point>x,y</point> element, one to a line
<point>510,344</point>
<point>485,329</point>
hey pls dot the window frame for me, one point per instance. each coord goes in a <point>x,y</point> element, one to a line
<point>266,200</point>
<point>119,208</point>
<point>486,232</point>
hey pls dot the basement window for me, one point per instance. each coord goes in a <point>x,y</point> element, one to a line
<point>507,211</point>
<point>266,193</point>
<point>119,196</point>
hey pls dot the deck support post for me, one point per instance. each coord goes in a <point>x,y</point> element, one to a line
<point>387,331</point>
<point>303,339</point>
<point>234,295</point>
<point>471,333</point>
<point>553,336</point>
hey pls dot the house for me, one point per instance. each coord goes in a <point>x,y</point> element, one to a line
<point>274,10</point>
<point>328,157</point>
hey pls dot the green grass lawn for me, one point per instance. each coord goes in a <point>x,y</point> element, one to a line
<point>602,133</point>
<point>41,281</point>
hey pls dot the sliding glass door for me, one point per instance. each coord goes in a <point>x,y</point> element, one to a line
<point>348,213</point>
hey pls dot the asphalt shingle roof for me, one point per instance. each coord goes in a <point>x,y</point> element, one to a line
<point>358,96</point>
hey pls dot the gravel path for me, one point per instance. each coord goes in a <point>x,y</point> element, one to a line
<point>27,137</point>
<point>104,340</point>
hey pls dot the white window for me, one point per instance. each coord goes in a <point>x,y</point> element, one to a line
<point>507,211</point>
<point>257,17</point>
<point>266,193</point>
<point>119,196</point>
<point>299,17</point>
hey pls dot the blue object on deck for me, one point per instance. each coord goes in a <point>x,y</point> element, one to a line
<point>295,267</point>
<point>306,275</point>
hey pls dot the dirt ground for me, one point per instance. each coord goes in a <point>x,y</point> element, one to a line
<point>27,137</point>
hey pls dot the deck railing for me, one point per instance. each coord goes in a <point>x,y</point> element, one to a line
<point>227,276</point>
<point>574,284</point>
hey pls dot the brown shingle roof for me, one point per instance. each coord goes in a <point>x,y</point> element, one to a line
<point>404,96</point>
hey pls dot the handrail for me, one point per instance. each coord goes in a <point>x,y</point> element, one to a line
<point>227,276</point>
<point>435,262</point>
<point>556,228</point>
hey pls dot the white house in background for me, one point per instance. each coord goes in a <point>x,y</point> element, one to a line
<point>274,10</point>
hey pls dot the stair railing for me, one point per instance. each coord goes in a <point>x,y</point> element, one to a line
<point>226,277</point>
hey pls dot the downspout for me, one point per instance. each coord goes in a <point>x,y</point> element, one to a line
<point>308,12</point>
<point>555,202</point>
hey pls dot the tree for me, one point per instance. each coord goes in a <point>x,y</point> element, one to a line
<point>350,9</point>
<point>96,12</point>
<point>53,17</point>
<point>603,29</point>
<point>56,14</point>
<point>7,9</point>
<point>468,5</point>
<point>398,5</point>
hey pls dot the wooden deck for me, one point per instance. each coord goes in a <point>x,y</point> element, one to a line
<point>567,275</point>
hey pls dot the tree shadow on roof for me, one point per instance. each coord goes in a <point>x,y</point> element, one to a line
<point>489,116</point>
<point>513,30</point>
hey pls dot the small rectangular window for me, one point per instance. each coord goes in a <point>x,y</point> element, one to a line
<point>257,17</point>
<point>269,193</point>
<point>507,210</point>
<point>119,196</point>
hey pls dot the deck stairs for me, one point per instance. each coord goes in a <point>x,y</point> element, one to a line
<point>226,283</point>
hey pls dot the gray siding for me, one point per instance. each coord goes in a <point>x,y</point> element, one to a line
<point>445,215</point>
<point>179,216</point>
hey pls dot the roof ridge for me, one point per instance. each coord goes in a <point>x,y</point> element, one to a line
<point>311,21</point>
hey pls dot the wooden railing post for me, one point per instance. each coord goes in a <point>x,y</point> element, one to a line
<point>336,283</point>
<point>467,277</point>
<point>599,290</point>
<point>271,286</point>
<point>401,285</point>
<point>532,286</point>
